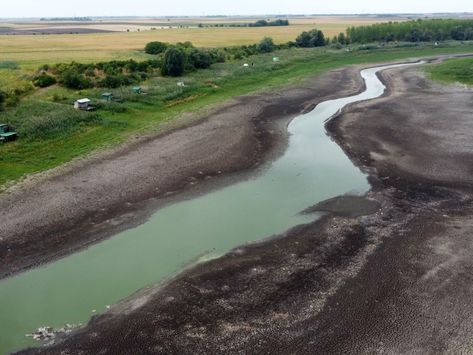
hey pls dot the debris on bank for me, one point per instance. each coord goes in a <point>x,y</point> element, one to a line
<point>49,333</point>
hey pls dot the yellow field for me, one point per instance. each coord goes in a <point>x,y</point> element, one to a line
<point>39,49</point>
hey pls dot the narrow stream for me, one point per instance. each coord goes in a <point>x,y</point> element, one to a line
<point>71,290</point>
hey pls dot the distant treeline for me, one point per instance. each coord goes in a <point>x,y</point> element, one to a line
<point>65,19</point>
<point>259,23</point>
<point>413,31</point>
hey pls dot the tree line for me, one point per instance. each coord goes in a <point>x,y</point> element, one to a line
<point>413,31</point>
<point>259,23</point>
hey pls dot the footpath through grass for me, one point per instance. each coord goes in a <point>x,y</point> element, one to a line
<point>453,71</point>
<point>52,132</point>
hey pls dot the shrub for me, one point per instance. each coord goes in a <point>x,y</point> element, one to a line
<point>44,80</point>
<point>174,62</point>
<point>199,59</point>
<point>156,47</point>
<point>71,79</point>
<point>266,45</point>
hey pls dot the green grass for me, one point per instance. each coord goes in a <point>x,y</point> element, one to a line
<point>73,134</point>
<point>453,71</point>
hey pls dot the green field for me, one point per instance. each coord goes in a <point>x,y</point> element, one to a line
<point>453,71</point>
<point>63,134</point>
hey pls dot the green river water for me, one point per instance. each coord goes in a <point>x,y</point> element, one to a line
<point>313,169</point>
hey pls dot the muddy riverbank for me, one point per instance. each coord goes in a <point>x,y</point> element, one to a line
<point>395,281</point>
<point>95,199</point>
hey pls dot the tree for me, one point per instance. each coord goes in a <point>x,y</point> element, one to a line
<point>156,47</point>
<point>303,40</point>
<point>314,38</point>
<point>342,38</point>
<point>174,62</point>
<point>266,45</point>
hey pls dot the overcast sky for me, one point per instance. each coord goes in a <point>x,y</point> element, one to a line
<point>69,8</point>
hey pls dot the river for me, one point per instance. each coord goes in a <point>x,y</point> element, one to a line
<point>71,290</point>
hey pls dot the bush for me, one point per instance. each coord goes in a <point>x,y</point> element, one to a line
<point>71,79</point>
<point>266,45</point>
<point>174,62</point>
<point>44,80</point>
<point>314,38</point>
<point>156,47</point>
<point>199,59</point>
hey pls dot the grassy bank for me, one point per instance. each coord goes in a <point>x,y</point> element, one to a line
<point>453,71</point>
<point>54,133</point>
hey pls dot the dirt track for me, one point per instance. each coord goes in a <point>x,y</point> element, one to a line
<point>99,197</point>
<point>397,281</point>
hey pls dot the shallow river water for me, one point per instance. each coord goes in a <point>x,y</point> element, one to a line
<point>71,290</point>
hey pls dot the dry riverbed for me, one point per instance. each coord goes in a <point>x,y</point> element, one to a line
<point>396,281</point>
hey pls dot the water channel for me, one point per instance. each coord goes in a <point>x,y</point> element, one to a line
<point>71,290</point>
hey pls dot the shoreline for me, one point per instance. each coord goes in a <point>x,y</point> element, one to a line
<point>340,283</point>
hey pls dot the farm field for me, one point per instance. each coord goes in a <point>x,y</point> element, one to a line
<point>40,49</point>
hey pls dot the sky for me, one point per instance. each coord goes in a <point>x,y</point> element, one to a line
<point>72,8</point>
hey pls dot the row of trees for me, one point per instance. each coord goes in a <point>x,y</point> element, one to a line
<point>413,31</point>
<point>259,23</point>
<point>264,23</point>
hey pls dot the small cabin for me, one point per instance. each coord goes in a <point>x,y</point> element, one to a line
<point>82,104</point>
<point>181,84</point>
<point>136,90</point>
<point>107,96</point>
<point>246,65</point>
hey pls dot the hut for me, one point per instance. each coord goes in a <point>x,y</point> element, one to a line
<point>136,90</point>
<point>107,96</point>
<point>82,104</point>
<point>181,84</point>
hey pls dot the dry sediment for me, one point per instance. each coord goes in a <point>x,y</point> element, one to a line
<point>396,281</point>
